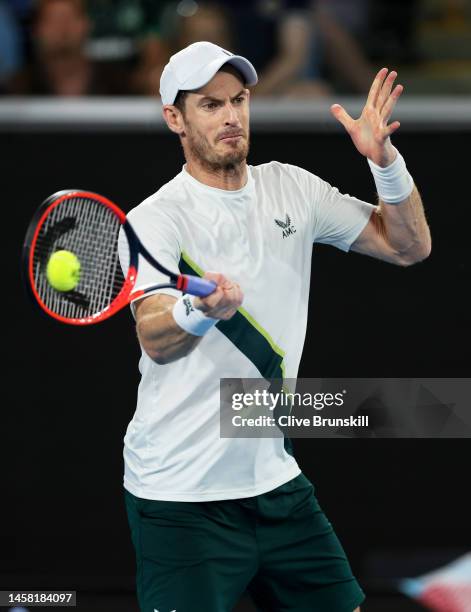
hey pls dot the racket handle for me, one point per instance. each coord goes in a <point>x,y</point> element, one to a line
<point>198,286</point>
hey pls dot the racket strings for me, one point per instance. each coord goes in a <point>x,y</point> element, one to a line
<point>89,229</point>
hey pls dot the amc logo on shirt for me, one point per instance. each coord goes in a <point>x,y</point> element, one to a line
<point>286,226</point>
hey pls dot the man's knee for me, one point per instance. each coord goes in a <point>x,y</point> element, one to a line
<point>356,610</point>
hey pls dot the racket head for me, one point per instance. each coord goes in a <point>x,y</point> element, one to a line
<point>87,224</point>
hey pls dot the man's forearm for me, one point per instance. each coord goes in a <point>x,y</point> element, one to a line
<point>160,336</point>
<point>405,228</point>
<point>403,223</point>
<point>169,329</point>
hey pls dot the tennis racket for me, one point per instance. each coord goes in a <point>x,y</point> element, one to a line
<point>87,224</point>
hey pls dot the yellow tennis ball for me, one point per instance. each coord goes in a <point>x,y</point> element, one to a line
<point>63,270</point>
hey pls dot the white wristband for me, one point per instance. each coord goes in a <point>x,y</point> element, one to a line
<point>191,319</point>
<point>393,183</point>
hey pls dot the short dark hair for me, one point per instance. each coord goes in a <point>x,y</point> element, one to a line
<point>180,100</point>
<point>182,94</point>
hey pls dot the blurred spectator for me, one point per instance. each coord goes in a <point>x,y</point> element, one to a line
<point>180,24</point>
<point>15,41</point>
<point>300,48</point>
<point>125,39</point>
<point>204,21</point>
<point>283,40</point>
<point>342,27</point>
<point>275,35</point>
<point>60,65</point>
<point>10,46</point>
<point>444,30</point>
<point>443,42</point>
<point>304,47</point>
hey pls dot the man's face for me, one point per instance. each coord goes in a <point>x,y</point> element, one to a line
<point>62,28</point>
<point>216,122</point>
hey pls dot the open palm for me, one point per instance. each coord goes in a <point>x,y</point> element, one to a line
<point>370,132</point>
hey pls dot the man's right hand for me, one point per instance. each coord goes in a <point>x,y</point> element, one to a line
<point>224,301</point>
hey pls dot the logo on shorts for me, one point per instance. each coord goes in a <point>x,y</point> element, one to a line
<point>188,308</point>
<point>286,226</point>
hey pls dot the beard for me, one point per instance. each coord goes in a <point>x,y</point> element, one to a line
<point>212,160</point>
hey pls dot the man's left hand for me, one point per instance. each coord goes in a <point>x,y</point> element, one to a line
<point>370,132</point>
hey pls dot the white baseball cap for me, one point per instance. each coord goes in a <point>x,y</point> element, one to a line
<point>195,65</point>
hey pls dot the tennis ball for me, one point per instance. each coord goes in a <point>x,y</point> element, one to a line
<point>63,270</point>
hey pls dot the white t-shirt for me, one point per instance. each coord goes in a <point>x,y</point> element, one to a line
<point>261,237</point>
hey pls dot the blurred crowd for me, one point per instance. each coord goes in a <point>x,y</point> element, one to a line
<point>300,48</point>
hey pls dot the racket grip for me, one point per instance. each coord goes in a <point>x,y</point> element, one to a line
<point>198,286</point>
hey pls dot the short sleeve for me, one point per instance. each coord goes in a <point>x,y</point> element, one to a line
<point>336,218</point>
<point>158,232</point>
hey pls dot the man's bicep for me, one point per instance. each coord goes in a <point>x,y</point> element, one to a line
<point>372,240</point>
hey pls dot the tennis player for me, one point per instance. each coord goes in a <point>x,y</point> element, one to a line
<point>211,518</point>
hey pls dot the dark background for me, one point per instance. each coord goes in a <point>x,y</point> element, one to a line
<point>399,506</point>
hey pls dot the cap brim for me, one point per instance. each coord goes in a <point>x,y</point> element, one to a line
<point>201,78</point>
